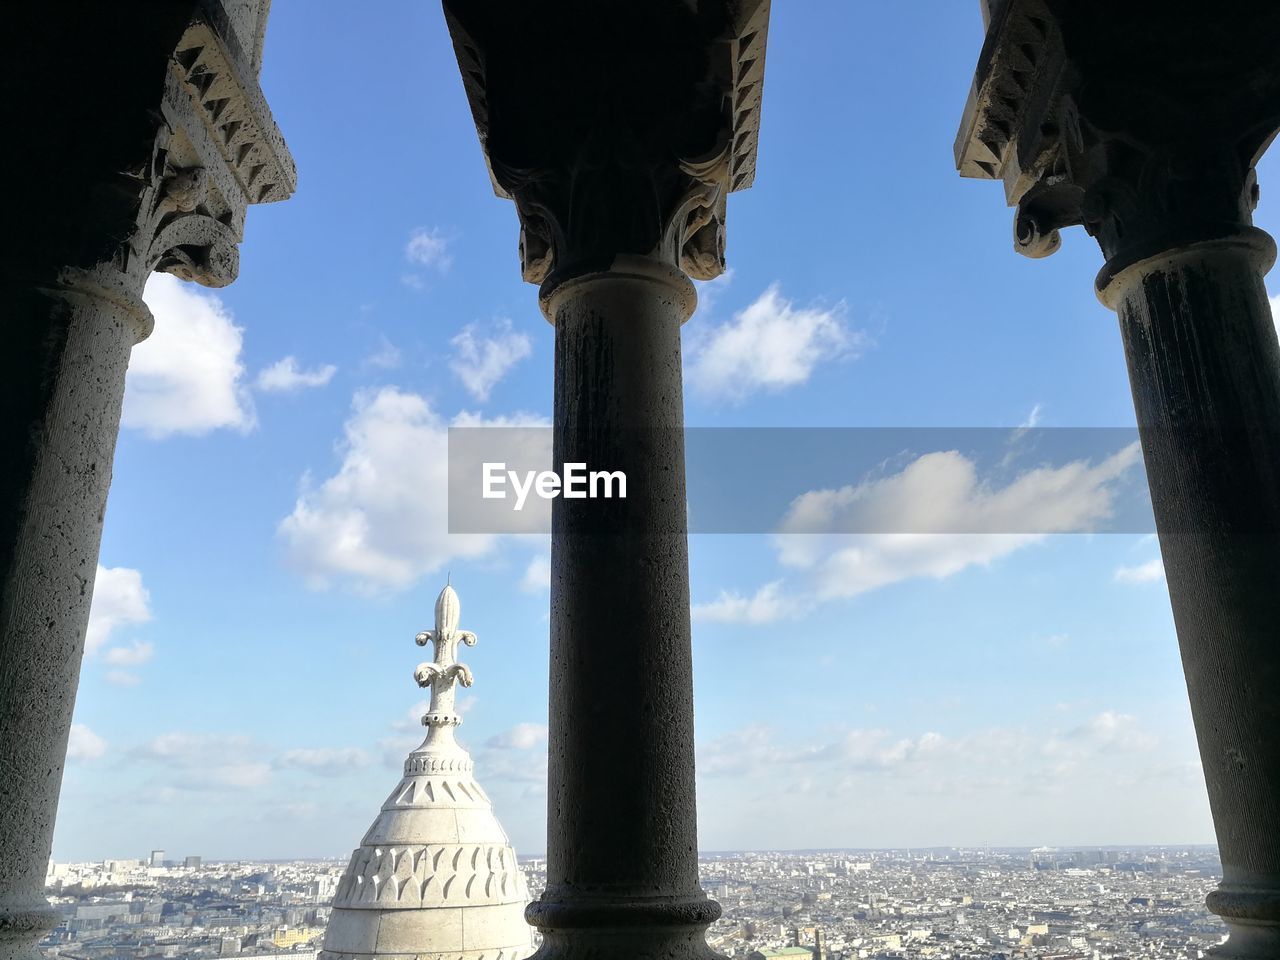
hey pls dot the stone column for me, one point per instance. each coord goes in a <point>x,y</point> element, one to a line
<point>68,348</point>
<point>1096,119</point>
<point>157,179</point>
<point>619,157</point>
<point>1205,369</point>
<point>622,866</point>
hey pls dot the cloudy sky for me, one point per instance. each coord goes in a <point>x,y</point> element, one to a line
<point>276,531</point>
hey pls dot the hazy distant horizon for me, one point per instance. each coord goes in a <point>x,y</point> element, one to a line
<point>708,854</point>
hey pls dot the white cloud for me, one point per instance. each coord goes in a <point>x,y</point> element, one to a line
<point>381,521</point>
<point>192,748</point>
<point>198,761</point>
<point>387,356</point>
<point>771,345</point>
<point>518,756</point>
<point>1033,418</point>
<point>537,575</point>
<point>119,600</point>
<point>1015,785</point>
<point>285,376</point>
<point>1110,730</point>
<point>752,750</point>
<point>765,606</point>
<point>122,678</point>
<point>324,761</point>
<point>85,744</point>
<point>481,360</point>
<point>138,653</point>
<point>1150,572</point>
<point>428,248</point>
<point>935,519</point>
<point>709,292</point>
<point>523,736</point>
<point>187,377</point>
<point>394,750</point>
<point>412,720</point>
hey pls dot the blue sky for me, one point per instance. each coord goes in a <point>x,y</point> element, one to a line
<point>275,535</point>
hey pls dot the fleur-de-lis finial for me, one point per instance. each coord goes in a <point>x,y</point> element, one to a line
<point>444,671</point>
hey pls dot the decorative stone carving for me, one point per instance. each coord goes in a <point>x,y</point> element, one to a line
<point>442,674</point>
<point>1132,139</point>
<point>431,875</point>
<point>434,875</point>
<point>614,158</point>
<point>216,152</point>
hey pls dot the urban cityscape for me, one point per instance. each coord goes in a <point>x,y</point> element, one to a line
<point>950,904</point>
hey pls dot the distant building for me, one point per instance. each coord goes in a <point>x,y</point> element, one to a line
<point>157,858</point>
<point>191,863</point>
<point>782,953</point>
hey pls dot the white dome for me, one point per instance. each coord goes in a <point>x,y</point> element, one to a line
<point>434,877</point>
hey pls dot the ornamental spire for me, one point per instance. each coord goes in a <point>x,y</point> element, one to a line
<point>444,671</point>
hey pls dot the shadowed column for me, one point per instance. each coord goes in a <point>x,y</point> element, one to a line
<point>148,167</point>
<point>618,130</point>
<point>1143,122</point>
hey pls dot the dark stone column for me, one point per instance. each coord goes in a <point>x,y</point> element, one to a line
<point>1143,123</point>
<point>622,870</point>
<point>1205,369</point>
<point>146,168</point>
<point>619,157</point>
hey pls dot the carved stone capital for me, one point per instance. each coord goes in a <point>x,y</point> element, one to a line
<point>216,152</point>
<point>641,120</point>
<point>1137,121</point>
<point>162,176</point>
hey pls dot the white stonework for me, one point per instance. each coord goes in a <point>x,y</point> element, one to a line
<point>434,877</point>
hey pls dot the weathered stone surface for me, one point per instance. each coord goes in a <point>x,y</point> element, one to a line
<point>153,139</point>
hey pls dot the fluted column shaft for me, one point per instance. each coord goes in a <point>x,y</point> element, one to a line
<point>1204,365</point>
<point>61,387</point>
<point>622,865</point>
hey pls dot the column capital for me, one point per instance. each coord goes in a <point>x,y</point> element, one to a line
<point>217,150</point>
<point>159,177</point>
<point>615,128</point>
<point>1141,121</point>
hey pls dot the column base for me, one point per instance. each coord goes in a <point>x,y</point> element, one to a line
<point>1252,915</point>
<point>22,930</point>
<point>658,928</point>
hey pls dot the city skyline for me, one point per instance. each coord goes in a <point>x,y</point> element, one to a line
<point>840,905</point>
<point>275,504</point>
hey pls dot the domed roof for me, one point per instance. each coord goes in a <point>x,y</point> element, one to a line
<point>434,876</point>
